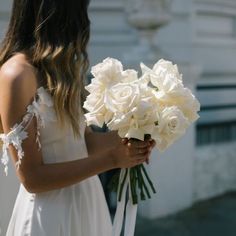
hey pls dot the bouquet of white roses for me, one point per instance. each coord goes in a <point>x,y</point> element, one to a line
<point>156,104</point>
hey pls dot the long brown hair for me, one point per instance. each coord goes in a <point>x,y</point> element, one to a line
<point>54,35</point>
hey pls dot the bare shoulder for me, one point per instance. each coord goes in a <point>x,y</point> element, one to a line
<point>18,75</point>
<point>18,85</point>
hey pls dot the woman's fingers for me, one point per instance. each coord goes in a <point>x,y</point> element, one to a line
<point>138,144</point>
<point>124,140</point>
<point>153,143</point>
<point>138,151</point>
<point>138,148</point>
<point>140,160</point>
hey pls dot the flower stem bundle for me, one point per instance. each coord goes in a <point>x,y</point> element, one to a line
<point>138,186</point>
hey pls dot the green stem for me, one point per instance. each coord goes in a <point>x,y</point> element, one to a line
<point>148,179</point>
<point>135,181</point>
<point>143,182</point>
<point>133,187</point>
<point>142,195</point>
<point>122,185</point>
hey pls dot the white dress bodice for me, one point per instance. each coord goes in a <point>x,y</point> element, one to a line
<point>77,210</point>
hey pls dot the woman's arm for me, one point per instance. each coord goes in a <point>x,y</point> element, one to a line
<point>16,92</point>
<point>99,142</point>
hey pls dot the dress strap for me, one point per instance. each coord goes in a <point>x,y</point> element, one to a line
<point>19,132</point>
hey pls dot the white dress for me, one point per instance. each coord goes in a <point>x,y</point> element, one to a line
<point>77,210</point>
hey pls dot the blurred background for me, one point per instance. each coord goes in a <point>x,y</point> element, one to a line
<point>196,177</point>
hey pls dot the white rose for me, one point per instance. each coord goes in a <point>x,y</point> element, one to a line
<point>143,121</point>
<point>171,91</point>
<point>122,97</point>
<point>168,84</point>
<point>108,72</point>
<point>94,119</point>
<point>163,74</point>
<point>129,76</point>
<point>97,112</point>
<point>94,104</point>
<point>121,120</point>
<point>171,125</point>
<point>163,67</point>
<point>190,106</point>
<point>98,116</point>
<point>96,86</point>
<point>137,122</point>
<point>181,97</point>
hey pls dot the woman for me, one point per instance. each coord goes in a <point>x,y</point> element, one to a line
<point>43,62</point>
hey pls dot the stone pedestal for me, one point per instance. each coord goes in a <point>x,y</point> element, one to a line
<point>147,17</point>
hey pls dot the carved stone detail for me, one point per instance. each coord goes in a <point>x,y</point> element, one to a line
<point>147,16</point>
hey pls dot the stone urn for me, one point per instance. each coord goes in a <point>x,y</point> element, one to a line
<point>147,17</point>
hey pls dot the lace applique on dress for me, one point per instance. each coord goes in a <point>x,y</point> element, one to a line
<point>42,109</point>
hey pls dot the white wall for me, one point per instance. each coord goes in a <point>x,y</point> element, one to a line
<point>214,171</point>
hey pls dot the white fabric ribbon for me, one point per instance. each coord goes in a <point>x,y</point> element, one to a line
<point>131,209</point>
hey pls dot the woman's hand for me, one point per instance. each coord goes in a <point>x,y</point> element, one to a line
<point>129,153</point>
<point>152,144</point>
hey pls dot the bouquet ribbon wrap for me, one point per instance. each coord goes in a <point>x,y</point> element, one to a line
<point>131,209</point>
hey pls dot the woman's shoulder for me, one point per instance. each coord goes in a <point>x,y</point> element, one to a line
<point>18,87</point>
<point>17,75</point>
